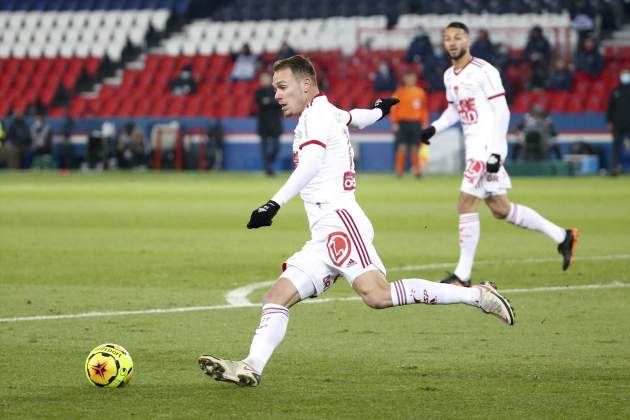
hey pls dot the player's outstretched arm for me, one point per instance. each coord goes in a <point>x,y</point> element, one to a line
<point>361,118</point>
<point>311,160</point>
<point>448,118</point>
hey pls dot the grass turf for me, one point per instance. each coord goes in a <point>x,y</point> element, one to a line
<point>116,242</point>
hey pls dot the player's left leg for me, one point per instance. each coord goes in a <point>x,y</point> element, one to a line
<point>527,218</point>
<point>269,334</point>
<point>377,293</point>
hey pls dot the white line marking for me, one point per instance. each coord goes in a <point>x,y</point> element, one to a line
<point>522,261</point>
<point>615,285</point>
<point>237,298</point>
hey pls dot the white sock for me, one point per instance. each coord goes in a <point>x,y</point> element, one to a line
<point>527,218</point>
<point>269,334</point>
<point>469,229</point>
<point>410,291</point>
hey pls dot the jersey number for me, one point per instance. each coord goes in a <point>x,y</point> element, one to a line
<point>467,111</point>
<point>349,180</point>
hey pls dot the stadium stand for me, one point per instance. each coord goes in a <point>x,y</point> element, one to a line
<point>55,44</point>
<point>115,58</point>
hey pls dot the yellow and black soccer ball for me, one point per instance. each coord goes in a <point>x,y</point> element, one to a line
<point>109,366</point>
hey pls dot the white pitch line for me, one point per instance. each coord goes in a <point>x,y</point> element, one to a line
<point>615,285</point>
<point>237,298</point>
<point>521,261</point>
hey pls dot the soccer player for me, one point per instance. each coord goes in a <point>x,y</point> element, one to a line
<point>476,98</point>
<point>341,233</point>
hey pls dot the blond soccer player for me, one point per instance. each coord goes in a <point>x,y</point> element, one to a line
<point>341,233</point>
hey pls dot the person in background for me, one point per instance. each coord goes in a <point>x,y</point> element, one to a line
<point>214,147</point>
<point>538,53</point>
<point>18,141</point>
<point>185,82</point>
<point>384,80</point>
<point>408,119</point>
<point>269,122</point>
<point>588,59</point>
<point>130,150</point>
<point>245,64</point>
<point>285,51</point>
<point>617,119</point>
<point>40,135</point>
<point>420,49</point>
<point>66,155</point>
<point>538,135</point>
<point>560,77</point>
<point>476,100</point>
<point>484,48</point>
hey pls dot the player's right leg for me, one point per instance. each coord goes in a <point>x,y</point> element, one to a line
<point>269,334</point>
<point>469,233</point>
<point>377,293</point>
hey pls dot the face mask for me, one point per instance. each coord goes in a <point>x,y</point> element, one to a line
<point>625,78</point>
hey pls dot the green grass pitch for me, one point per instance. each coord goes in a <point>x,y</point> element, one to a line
<point>131,242</point>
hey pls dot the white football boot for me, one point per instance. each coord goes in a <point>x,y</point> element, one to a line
<point>235,371</point>
<point>491,302</point>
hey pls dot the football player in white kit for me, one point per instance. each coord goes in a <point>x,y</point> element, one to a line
<point>476,98</point>
<point>341,233</point>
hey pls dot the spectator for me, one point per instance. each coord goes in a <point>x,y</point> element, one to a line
<point>561,77</point>
<point>433,71</point>
<point>538,53</point>
<point>583,16</point>
<point>66,155</point>
<point>245,64</point>
<point>130,150</point>
<point>420,50</point>
<point>384,80</point>
<point>41,137</point>
<point>537,134</point>
<point>285,51</point>
<point>17,142</point>
<point>408,118</point>
<point>269,119</point>
<point>214,147</point>
<point>588,59</point>
<point>185,82</point>
<point>617,119</point>
<point>484,48</point>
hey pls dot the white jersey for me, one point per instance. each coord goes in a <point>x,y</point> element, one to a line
<point>322,124</point>
<point>470,90</point>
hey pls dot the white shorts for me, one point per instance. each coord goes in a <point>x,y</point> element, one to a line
<point>340,245</point>
<point>481,184</point>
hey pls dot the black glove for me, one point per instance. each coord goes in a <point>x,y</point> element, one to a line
<point>262,215</point>
<point>426,134</point>
<point>493,164</point>
<point>385,105</point>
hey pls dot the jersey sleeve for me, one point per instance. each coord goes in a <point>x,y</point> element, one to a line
<point>491,82</point>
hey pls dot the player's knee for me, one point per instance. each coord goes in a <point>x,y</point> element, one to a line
<point>500,213</point>
<point>377,300</point>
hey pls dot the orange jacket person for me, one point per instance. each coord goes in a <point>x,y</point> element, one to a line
<point>408,118</point>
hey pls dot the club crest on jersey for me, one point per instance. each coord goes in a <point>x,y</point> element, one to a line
<point>339,247</point>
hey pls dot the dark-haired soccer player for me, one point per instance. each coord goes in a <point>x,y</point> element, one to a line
<point>341,233</point>
<point>476,98</point>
